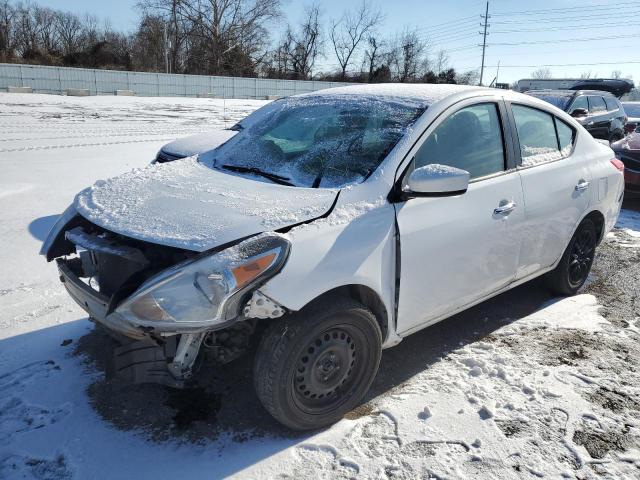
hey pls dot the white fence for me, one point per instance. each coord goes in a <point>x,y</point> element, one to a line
<point>57,80</point>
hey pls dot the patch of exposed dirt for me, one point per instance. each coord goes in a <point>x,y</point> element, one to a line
<point>612,400</point>
<point>598,444</point>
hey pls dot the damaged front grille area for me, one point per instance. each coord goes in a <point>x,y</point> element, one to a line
<point>115,265</point>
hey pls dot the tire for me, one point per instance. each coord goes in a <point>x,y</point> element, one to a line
<point>575,264</point>
<point>314,366</point>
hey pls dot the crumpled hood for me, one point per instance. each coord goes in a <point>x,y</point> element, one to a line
<point>200,143</point>
<point>187,205</point>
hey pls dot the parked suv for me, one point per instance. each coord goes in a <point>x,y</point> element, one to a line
<point>599,112</point>
<point>330,227</point>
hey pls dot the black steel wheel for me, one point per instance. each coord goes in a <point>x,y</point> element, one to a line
<point>575,265</point>
<point>314,366</point>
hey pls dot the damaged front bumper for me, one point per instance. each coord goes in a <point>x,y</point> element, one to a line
<point>140,358</point>
<point>162,304</point>
<point>95,303</point>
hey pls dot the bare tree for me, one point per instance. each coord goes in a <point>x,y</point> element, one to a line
<point>585,75</point>
<point>541,73</point>
<point>469,77</point>
<point>7,30</point>
<point>441,62</point>
<point>348,32</point>
<point>217,36</point>
<point>372,56</point>
<point>406,55</point>
<point>69,28</point>
<point>616,74</point>
<point>300,48</point>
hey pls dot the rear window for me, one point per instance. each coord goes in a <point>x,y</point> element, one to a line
<point>596,104</point>
<point>539,142</point>
<point>611,104</point>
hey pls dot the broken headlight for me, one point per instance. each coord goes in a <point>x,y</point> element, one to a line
<point>206,291</point>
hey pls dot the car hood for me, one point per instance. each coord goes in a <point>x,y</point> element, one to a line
<point>200,143</point>
<point>187,205</point>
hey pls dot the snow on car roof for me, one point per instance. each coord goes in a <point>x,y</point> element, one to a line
<point>422,93</point>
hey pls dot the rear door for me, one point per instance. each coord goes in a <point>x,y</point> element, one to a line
<point>599,121</point>
<point>455,250</point>
<point>556,185</point>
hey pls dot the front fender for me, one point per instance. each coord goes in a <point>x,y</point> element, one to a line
<point>355,245</point>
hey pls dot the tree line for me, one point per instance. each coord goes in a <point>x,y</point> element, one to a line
<point>227,37</point>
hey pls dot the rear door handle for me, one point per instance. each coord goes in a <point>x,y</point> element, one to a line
<point>506,208</point>
<point>583,185</point>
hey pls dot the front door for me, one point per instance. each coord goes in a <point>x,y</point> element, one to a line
<point>456,250</point>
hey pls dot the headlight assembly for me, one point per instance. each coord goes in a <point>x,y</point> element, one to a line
<point>206,291</point>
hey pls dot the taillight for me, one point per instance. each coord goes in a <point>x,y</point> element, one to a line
<point>618,164</point>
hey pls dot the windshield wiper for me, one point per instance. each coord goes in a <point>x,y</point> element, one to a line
<point>256,171</point>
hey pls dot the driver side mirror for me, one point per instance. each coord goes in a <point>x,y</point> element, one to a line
<point>579,112</point>
<point>437,180</point>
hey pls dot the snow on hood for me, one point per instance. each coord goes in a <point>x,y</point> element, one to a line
<point>187,205</point>
<point>200,143</point>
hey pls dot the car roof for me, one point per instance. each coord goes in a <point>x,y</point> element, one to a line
<point>421,93</point>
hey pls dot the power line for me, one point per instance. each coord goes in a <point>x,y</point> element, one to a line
<point>558,65</point>
<point>588,39</point>
<point>439,26</point>
<point>553,29</point>
<point>564,20</point>
<point>584,8</point>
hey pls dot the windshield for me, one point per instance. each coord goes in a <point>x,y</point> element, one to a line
<point>560,100</point>
<point>632,109</point>
<point>319,141</point>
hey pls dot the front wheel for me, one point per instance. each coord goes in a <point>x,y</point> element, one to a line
<point>316,365</point>
<point>575,265</point>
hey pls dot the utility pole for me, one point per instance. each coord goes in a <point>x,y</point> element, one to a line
<point>485,24</point>
<point>166,49</point>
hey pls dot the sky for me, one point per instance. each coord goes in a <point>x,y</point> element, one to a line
<point>571,36</point>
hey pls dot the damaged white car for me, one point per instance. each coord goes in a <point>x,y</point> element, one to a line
<point>331,226</point>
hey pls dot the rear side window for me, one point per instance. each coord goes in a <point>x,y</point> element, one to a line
<point>470,139</point>
<point>539,142</point>
<point>596,104</point>
<point>565,137</point>
<point>611,104</point>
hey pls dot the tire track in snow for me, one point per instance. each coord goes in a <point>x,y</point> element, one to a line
<point>78,145</point>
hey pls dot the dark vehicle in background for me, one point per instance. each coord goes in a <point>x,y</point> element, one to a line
<point>628,151</point>
<point>599,112</point>
<point>632,109</point>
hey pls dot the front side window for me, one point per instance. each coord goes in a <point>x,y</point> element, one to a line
<point>319,141</point>
<point>537,136</point>
<point>580,102</point>
<point>596,104</point>
<point>470,139</point>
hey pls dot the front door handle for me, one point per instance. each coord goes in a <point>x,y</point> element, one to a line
<point>506,208</point>
<point>582,186</point>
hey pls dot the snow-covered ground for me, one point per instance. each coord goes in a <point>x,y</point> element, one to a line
<point>523,386</point>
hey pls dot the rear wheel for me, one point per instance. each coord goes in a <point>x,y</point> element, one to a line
<point>575,265</point>
<point>314,366</point>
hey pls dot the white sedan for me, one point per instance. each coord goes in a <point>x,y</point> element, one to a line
<point>331,226</point>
